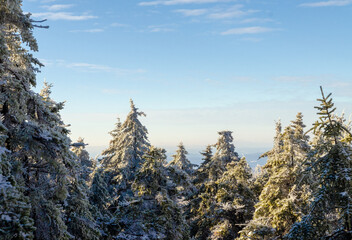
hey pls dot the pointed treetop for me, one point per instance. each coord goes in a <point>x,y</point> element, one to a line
<point>46,90</point>
<point>180,159</point>
<point>225,150</point>
<point>207,154</point>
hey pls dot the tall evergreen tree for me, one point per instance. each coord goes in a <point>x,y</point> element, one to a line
<point>329,215</point>
<point>281,201</point>
<point>78,210</point>
<point>201,173</point>
<point>180,160</point>
<point>151,213</point>
<point>224,200</point>
<point>272,156</point>
<point>39,157</point>
<point>86,164</point>
<point>125,153</point>
<point>121,162</point>
<point>15,220</point>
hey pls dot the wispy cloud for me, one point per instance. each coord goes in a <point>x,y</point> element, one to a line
<point>192,12</point>
<point>58,7</point>
<point>118,25</point>
<point>89,67</point>
<point>178,2</point>
<point>330,3</point>
<point>296,79</point>
<point>160,28</point>
<point>63,16</point>
<point>248,30</point>
<point>232,12</point>
<point>119,91</point>
<point>257,20</point>
<point>93,30</point>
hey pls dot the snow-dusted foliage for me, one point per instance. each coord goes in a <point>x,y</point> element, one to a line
<point>329,214</point>
<point>85,163</point>
<point>281,201</point>
<point>125,153</point>
<point>224,199</point>
<point>150,213</point>
<point>39,159</point>
<point>50,189</point>
<point>180,160</point>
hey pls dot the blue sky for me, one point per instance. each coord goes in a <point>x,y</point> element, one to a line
<point>194,67</point>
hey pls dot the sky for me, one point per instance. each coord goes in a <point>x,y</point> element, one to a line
<point>195,67</point>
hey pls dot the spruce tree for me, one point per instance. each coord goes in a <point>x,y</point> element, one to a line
<point>39,157</point>
<point>224,200</point>
<point>86,164</point>
<point>120,163</point>
<point>180,160</point>
<point>272,156</point>
<point>151,213</point>
<point>125,153</point>
<point>329,213</point>
<point>78,210</point>
<point>100,200</point>
<point>15,220</point>
<point>281,201</point>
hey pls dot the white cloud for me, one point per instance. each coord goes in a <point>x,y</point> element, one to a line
<point>118,25</point>
<point>247,30</point>
<point>62,16</point>
<point>257,20</point>
<point>178,2</point>
<point>192,12</point>
<point>102,68</point>
<point>232,12</point>
<point>330,3</point>
<point>94,30</point>
<point>160,28</point>
<point>58,7</point>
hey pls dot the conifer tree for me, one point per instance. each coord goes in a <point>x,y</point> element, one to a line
<point>180,171</point>
<point>151,213</point>
<point>224,200</point>
<point>201,173</point>
<point>39,156</point>
<point>272,155</point>
<point>329,213</point>
<point>225,153</point>
<point>79,218</point>
<point>86,164</point>
<point>15,220</point>
<point>125,153</point>
<point>99,199</point>
<point>180,160</point>
<point>121,162</point>
<point>281,201</point>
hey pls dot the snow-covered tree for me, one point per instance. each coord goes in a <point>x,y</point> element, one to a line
<point>86,164</point>
<point>79,219</point>
<point>180,160</point>
<point>39,156</point>
<point>272,155</point>
<point>150,213</point>
<point>201,173</point>
<point>281,201</point>
<point>99,199</point>
<point>329,215</point>
<point>15,220</point>
<point>225,153</point>
<point>224,200</point>
<point>125,153</point>
<point>78,210</point>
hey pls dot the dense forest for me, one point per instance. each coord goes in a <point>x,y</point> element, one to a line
<point>50,188</point>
